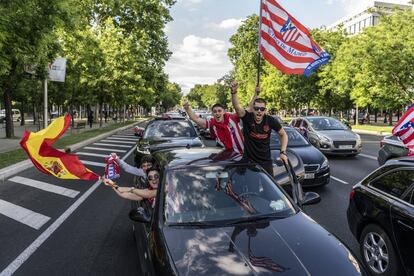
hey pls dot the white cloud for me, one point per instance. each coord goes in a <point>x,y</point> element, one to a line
<point>198,60</point>
<point>230,23</point>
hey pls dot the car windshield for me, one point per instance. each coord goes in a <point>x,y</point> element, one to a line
<point>295,139</point>
<point>219,194</point>
<point>158,129</point>
<point>326,124</point>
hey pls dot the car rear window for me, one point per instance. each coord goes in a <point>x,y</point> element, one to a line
<point>395,183</point>
<point>168,128</point>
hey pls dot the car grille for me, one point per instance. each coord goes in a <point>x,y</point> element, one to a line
<point>312,167</point>
<point>342,143</point>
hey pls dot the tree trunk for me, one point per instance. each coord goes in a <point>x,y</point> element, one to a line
<point>376,115</point>
<point>34,114</point>
<point>22,120</point>
<point>100,113</point>
<point>390,118</point>
<point>356,120</point>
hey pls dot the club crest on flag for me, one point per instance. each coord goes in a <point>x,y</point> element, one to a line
<point>289,31</point>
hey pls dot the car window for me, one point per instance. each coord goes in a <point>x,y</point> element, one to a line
<point>216,193</point>
<point>395,183</point>
<point>295,139</point>
<point>326,124</point>
<point>408,197</point>
<point>159,129</point>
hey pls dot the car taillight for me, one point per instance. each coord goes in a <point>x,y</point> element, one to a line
<point>352,194</point>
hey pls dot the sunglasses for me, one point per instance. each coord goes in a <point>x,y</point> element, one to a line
<point>257,108</point>
<point>217,110</point>
<point>155,177</point>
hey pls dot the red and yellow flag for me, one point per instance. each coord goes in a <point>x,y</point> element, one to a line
<point>38,145</point>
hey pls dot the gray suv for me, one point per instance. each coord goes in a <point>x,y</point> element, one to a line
<point>329,135</point>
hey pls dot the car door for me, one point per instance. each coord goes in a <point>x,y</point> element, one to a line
<point>402,215</point>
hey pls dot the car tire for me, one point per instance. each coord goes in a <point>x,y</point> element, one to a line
<point>375,243</point>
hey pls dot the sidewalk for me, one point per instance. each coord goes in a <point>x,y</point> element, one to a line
<point>13,144</point>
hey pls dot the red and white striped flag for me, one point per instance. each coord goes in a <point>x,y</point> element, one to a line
<point>286,43</point>
<point>404,129</point>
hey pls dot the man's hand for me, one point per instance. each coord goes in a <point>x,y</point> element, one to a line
<point>114,156</point>
<point>108,182</point>
<point>284,158</point>
<point>234,86</point>
<point>257,90</point>
<point>186,106</point>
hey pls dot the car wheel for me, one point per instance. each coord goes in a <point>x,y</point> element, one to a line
<point>378,252</point>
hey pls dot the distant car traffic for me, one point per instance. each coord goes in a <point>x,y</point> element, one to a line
<point>215,216</point>
<point>16,115</point>
<point>329,135</point>
<point>391,147</point>
<point>381,217</point>
<point>316,165</point>
<point>164,133</point>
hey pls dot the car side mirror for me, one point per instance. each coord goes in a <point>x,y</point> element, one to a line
<point>311,198</point>
<point>138,215</point>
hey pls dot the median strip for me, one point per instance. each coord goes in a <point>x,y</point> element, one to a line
<point>339,180</point>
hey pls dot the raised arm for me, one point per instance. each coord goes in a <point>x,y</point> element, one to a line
<point>199,121</point>
<point>235,100</point>
<point>283,145</point>
<point>254,97</point>
<point>128,168</point>
<point>145,193</point>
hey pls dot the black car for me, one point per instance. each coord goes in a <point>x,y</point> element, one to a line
<point>215,216</point>
<point>391,147</point>
<point>316,165</point>
<point>162,133</point>
<point>381,217</point>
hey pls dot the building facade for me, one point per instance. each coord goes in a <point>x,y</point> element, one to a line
<point>355,23</point>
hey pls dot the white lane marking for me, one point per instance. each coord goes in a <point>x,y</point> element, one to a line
<point>105,149</point>
<point>25,255</point>
<point>339,180</point>
<point>91,154</point>
<point>120,142</point>
<point>112,145</point>
<point>22,215</point>
<point>125,136</point>
<point>45,186</point>
<point>122,139</point>
<point>93,163</point>
<point>368,156</point>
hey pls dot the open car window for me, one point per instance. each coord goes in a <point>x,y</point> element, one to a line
<point>216,193</point>
<point>326,124</point>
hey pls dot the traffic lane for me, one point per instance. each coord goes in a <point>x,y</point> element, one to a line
<point>371,144</point>
<point>96,239</point>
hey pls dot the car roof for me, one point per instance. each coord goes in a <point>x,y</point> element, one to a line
<point>406,160</point>
<point>184,157</point>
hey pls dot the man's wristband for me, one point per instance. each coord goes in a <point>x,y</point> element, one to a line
<point>283,152</point>
<point>233,92</point>
<point>132,188</point>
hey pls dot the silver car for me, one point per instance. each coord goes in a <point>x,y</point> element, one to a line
<point>329,135</point>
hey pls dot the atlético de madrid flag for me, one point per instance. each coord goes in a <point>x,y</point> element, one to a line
<point>286,43</point>
<point>38,145</point>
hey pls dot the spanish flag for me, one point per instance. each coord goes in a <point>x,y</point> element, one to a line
<point>38,145</point>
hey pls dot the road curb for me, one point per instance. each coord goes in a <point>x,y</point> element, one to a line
<point>377,133</point>
<point>23,165</point>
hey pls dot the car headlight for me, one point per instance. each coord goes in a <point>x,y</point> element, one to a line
<point>358,139</point>
<point>324,139</point>
<point>325,164</point>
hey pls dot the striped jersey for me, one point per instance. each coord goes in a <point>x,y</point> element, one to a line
<point>227,133</point>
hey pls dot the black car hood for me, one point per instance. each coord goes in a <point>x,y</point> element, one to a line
<point>309,154</point>
<point>158,144</point>
<point>292,246</point>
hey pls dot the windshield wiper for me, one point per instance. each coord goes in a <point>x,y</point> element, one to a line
<point>195,224</point>
<point>256,218</point>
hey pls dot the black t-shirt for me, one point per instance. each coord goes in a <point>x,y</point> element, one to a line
<point>257,137</point>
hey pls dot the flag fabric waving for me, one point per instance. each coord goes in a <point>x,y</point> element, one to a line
<point>38,145</point>
<point>286,43</point>
<point>404,129</point>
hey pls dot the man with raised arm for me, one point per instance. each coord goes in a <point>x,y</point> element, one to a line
<point>257,127</point>
<point>223,126</point>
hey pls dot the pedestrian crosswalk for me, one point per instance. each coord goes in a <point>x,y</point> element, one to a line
<point>92,155</point>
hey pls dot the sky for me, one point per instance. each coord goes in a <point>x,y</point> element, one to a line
<point>200,31</point>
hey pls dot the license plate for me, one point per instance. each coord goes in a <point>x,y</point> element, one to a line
<point>309,175</point>
<point>345,146</point>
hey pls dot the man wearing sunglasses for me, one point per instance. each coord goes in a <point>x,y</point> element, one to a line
<point>257,127</point>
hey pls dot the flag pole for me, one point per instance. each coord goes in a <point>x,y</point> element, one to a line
<point>259,43</point>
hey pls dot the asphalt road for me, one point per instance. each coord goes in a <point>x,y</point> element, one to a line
<point>85,230</point>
